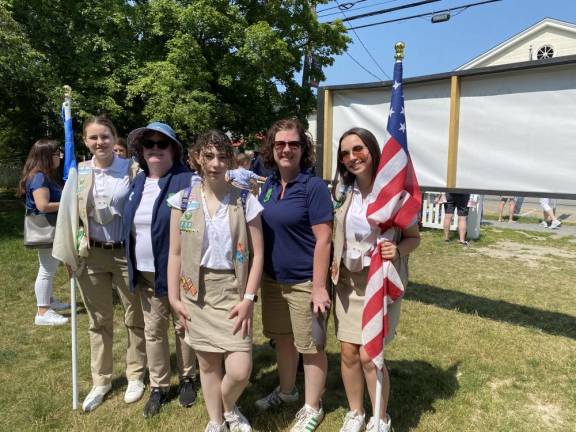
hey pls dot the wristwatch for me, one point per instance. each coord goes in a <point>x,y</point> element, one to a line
<point>251,296</point>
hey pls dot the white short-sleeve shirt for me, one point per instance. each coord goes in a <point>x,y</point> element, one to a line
<point>142,226</point>
<point>360,236</point>
<point>110,182</point>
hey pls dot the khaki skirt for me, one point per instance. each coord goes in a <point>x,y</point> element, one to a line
<point>209,328</point>
<point>348,305</point>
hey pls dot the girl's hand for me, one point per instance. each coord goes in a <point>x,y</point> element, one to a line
<point>180,311</point>
<point>389,250</point>
<point>243,314</point>
<point>320,301</point>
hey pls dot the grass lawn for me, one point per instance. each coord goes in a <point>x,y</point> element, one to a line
<point>486,342</point>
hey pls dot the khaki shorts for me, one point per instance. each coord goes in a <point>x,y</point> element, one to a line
<point>209,328</point>
<point>287,311</point>
<point>348,306</point>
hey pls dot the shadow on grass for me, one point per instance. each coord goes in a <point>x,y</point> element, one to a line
<point>554,323</point>
<point>416,385</point>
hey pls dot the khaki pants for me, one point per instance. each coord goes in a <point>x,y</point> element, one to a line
<point>106,269</point>
<point>156,311</point>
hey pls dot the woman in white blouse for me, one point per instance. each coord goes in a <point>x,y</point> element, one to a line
<point>103,186</point>
<point>354,239</point>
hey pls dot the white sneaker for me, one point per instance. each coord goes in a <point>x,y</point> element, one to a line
<point>50,318</point>
<point>308,419</point>
<point>276,399</point>
<point>58,305</point>
<point>544,224</point>
<point>134,391</point>
<point>95,397</point>
<point>236,421</point>
<point>215,427</point>
<point>353,422</point>
<point>384,427</point>
<point>555,224</point>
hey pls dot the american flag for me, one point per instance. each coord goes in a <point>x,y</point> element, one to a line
<point>394,204</point>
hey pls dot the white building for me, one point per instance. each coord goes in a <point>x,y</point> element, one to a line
<point>546,39</point>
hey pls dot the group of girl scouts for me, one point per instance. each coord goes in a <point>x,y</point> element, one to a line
<point>193,246</point>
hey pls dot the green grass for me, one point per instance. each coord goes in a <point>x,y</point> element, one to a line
<point>486,343</point>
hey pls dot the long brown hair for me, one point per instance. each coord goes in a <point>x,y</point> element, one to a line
<point>39,160</point>
<point>308,154</point>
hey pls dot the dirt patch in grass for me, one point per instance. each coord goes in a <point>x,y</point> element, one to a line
<point>531,255</point>
<point>548,414</point>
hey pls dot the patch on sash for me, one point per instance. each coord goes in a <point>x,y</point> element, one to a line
<point>268,195</point>
<point>84,170</point>
<point>187,285</point>
<point>192,205</point>
<point>185,224</point>
<point>241,254</point>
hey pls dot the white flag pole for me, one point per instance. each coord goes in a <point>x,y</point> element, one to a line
<point>378,398</point>
<point>74,342</point>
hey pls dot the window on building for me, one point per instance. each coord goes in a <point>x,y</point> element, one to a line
<point>545,52</point>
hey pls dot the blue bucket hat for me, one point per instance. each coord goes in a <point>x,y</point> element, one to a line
<point>135,136</point>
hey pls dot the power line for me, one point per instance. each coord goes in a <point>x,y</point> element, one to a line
<point>367,50</point>
<point>358,8</point>
<point>463,7</point>
<point>383,11</point>
<point>343,6</point>
<point>359,64</point>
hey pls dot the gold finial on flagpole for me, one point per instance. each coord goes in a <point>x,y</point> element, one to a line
<point>67,91</point>
<point>399,47</point>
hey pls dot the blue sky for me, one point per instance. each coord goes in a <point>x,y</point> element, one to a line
<point>434,48</point>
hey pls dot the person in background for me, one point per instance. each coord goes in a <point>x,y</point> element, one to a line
<point>103,187</point>
<point>40,186</point>
<point>511,205</point>
<point>354,240</point>
<point>214,271</point>
<point>242,177</point>
<point>297,223</point>
<point>456,201</point>
<point>121,149</point>
<point>550,220</point>
<point>146,231</point>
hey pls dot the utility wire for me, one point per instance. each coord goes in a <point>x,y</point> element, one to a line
<point>358,8</point>
<point>343,6</point>
<point>360,64</point>
<point>383,11</point>
<point>367,50</point>
<point>458,8</point>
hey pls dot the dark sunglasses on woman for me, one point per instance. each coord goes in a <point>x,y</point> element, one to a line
<point>294,145</point>
<point>162,144</point>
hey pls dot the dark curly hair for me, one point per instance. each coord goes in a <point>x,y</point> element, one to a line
<point>212,138</point>
<point>308,152</point>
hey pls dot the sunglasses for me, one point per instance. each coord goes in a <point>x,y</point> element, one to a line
<point>294,145</point>
<point>162,144</point>
<point>357,151</point>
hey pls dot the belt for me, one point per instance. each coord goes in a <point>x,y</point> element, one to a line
<point>107,245</point>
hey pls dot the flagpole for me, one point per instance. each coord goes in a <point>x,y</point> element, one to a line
<point>399,56</point>
<point>67,115</point>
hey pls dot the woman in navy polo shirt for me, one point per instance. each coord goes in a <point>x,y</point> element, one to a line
<point>297,226</point>
<point>146,232</point>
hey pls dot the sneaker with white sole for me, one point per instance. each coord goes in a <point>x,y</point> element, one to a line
<point>555,224</point>
<point>544,224</point>
<point>215,427</point>
<point>276,399</point>
<point>95,397</point>
<point>50,318</point>
<point>353,422</point>
<point>134,391</point>
<point>58,305</point>
<point>308,419</point>
<point>384,427</point>
<point>236,421</point>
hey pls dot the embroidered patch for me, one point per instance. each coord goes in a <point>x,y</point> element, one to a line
<point>268,195</point>
<point>84,171</point>
<point>192,205</point>
<point>241,254</point>
<point>185,225</point>
<point>187,285</point>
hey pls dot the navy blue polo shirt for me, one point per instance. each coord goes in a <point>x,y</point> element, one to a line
<point>38,181</point>
<point>287,225</point>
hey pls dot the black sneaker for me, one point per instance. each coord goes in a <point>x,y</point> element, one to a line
<point>157,399</point>
<point>187,392</point>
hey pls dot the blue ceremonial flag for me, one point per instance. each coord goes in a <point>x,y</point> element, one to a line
<point>69,155</point>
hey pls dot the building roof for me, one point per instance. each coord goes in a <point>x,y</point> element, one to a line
<point>530,32</point>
